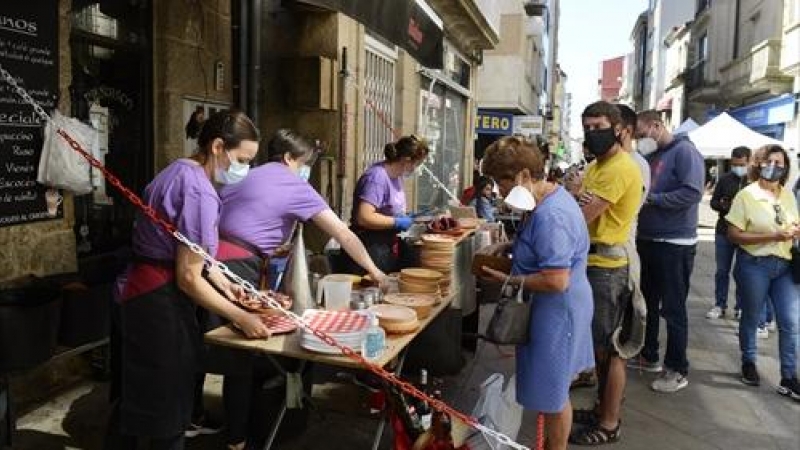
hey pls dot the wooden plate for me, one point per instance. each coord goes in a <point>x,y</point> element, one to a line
<point>419,273</point>
<point>393,313</point>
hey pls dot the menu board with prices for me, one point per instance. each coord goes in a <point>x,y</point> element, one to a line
<point>29,52</point>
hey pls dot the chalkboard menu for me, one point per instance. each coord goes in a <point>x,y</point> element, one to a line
<point>29,51</point>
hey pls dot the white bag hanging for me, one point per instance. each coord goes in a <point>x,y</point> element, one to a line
<point>497,408</point>
<point>60,166</point>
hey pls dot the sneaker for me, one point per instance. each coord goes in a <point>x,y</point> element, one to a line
<point>772,327</point>
<point>715,313</point>
<point>790,388</point>
<point>762,332</point>
<point>202,426</point>
<point>737,314</point>
<point>670,382</point>
<point>750,374</point>
<point>643,365</point>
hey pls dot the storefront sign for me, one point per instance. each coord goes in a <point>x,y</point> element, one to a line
<point>494,123</point>
<point>529,126</point>
<point>774,111</point>
<point>29,51</point>
<point>405,23</point>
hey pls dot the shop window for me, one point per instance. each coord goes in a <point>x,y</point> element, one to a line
<point>379,86</point>
<point>111,89</point>
<point>442,121</point>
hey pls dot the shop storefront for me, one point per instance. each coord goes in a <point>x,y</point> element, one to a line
<point>768,117</point>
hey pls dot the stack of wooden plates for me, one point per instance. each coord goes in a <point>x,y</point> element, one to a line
<point>396,319</point>
<point>419,280</point>
<point>437,254</point>
<point>421,303</point>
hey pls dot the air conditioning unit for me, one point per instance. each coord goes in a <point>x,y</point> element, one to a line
<point>535,8</point>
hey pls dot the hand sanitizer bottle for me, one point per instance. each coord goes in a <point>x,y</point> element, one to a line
<point>374,340</point>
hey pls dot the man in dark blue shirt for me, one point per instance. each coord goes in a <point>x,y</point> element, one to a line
<point>667,241</point>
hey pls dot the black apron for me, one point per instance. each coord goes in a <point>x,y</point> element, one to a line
<point>160,346</point>
<point>387,250</point>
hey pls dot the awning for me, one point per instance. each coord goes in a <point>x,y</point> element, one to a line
<point>406,23</point>
<point>664,104</point>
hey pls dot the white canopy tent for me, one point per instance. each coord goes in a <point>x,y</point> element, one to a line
<point>687,126</point>
<point>723,133</point>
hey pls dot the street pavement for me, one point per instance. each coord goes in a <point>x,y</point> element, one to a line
<point>716,411</point>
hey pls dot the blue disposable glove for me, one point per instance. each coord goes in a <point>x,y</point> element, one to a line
<point>403,223</point>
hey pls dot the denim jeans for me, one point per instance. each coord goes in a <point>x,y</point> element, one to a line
<point>759,278</point>
<point>666,271</point>
<point>724,251</point>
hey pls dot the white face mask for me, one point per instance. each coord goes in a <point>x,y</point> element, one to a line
<point>520,199</point>
<point>646,146</point>
<point>304,172</point>
<point>235,173</point>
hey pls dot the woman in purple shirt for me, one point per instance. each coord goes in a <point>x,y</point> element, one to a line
<point>379,202</point>
<point>159,338</point>
<point>258,216</point>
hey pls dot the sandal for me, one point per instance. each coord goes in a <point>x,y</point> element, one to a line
<point>584,379</point>
<point>584,417</point>
<point>595,435</point>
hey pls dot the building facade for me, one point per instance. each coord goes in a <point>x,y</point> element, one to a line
<point>674,105</point>
<point>609,83</point>
<point>138,69</point>
<point>524,59</point>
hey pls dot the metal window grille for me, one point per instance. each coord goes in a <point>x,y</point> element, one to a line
<point>379,80</point>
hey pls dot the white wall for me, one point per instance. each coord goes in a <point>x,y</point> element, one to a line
<point>666,15</point>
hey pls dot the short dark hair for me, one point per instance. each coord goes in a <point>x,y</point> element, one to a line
<point>507,156</point>
<point>628,116</point>
<point>649,116</point>
<point>605,109</point>
<point>741,152</point>
<point>230,125</point>
<point>481,182</point>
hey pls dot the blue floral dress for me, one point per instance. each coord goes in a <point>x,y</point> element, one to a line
<point>560,346</point>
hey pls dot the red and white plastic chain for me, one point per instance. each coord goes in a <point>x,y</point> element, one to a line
<point>153,215</point>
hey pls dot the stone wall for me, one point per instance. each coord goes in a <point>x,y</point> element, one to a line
<point>189,37</point>
<point>48,247</point>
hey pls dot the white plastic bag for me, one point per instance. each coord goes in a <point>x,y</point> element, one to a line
<point>497,408</point>
<point>62,167</point>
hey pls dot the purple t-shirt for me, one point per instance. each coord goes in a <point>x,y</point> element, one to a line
<point>261,209</point>
<point>381,191</point>
<point>183,195</point>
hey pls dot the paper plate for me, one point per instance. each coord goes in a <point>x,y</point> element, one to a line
<point>278,324</point>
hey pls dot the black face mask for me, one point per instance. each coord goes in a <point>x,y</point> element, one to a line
<point>599,142</point>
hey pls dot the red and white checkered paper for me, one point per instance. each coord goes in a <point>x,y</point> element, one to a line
<point>278,324</point>
<point>333,322</point>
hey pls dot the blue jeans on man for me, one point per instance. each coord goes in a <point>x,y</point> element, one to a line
<point>724,252</point>
<point>666,272</point>
<point>760,278</point>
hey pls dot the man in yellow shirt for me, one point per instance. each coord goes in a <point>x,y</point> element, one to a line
<point>612,193</point>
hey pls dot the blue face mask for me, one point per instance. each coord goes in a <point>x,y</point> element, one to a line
<point>235,172</point>
<point>772,172</point>
<point>739,171</point>
<point>304,172</point>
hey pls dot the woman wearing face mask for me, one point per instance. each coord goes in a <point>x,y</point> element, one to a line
<point>763,221</point>
<point>159,336</point>
<point>258,216</point>
<point>379,202</point>
<point>550,257</point>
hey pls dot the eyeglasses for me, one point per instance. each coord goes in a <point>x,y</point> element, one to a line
<point>779,219</point>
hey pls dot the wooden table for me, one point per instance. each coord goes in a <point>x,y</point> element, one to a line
<point>288,345</point>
